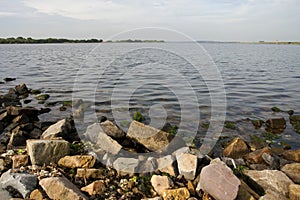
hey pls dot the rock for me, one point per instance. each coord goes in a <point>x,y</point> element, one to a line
<point>257,123</point>
<point>160,183</point>
<point>294,192</point>
<point>276,125</point>
<point>293,155</point>
<point>293,171</point>
<point>79,161</point>
<point>36,195</point>
<point>237,148</point>
<point>90,173</point>
<point>219,181</point>
<point>155,198</point>
<point>23,183</point>
<point>47,151</point>
<point>19,161</point>
<point>43,97</point>
<point>187,165</point>
<point>270,179</point>
<point>111,129</point>
<point>7,79</point>
<point>294,119</point>
<point>102,141</point>
<point>150,137</point>
<point>21,89</point>
<point>60,188</point>
<point>29,111</point>
<point>191,188</point>
<point>2,165</point>
<point>35,133</point>
<point>255,157</point>
<point>21,119</point>
<point>176,194</point>
<point>64,128</point>
<point>272,195</point>
<point>17,138</point>
<point>126,165</point>
<point>166,164</point>
<point>95,188</point>
<point>4,194</point>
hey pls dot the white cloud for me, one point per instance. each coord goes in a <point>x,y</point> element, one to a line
<point>7,14</point>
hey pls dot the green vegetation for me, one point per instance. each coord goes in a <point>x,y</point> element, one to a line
<point>275,109</point>
<point>36,92</point>
<point>67,103</point>
<point>133,41</point>
<point>43,97</point>
<point>230,125</point>
<point>173,130</point>
<point>21,40</point>
<point>137,116</point>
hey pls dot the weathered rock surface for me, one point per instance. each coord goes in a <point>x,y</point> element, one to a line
<point>19,160</point>
<point>102,140</point>
<point>219,181</point>
<point>271,179</point>
<point>47,151</point>
<point>21,89</point>
<point>294,192</point>
<point>293,171</point>
<point>161,183</point>
<point>237,148</point>
<point>255,157</point>
<point>272,195</point>
<point>293,155</point>
<point>23,183</point>
<point>166,164</point>
<point>187,165</point>
<point>97,187</point>
<point>36,195</point>
<point>78,161</point>
<point>276,125</point>
<point>126,165</point>
<point>111,129</point>
<point>176,194</point>
<point>90,173</point>
<point>61,188</point>
<point>64,128</point>
<point>150,137</point>
<point>246,193</point>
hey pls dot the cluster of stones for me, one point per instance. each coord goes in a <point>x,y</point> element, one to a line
<point>47,164</point>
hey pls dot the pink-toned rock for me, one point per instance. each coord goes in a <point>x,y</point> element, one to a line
<point>60,188</point>
<point>97,187</point>
<point>219,181</point>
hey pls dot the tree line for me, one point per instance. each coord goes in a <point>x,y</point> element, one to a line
<point>22,40</point>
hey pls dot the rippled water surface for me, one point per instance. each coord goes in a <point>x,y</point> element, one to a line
<point>165,81</point>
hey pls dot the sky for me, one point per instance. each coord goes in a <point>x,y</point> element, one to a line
<point>214,20</point>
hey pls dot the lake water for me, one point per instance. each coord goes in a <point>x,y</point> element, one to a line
<point>165,81</point>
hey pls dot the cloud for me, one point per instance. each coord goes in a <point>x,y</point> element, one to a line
<point>7,14</point>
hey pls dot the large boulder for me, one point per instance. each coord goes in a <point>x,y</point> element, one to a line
<point>46,151</point>
<point>271,179</point>
<point>64,128</point>
<point>187,165</point>
<point>111,129</point>
<point>23,183</point>
<point>293,155</point>
<point>237,148</point>
<point>61,188</point>
<point>150,137</point>
<point>78,161</point>
<point>219,181</point>
<point>294,192</point>
<point>293,171</point>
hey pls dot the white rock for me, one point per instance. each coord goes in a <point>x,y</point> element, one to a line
<point>161,183</point>
<point>187,165</point>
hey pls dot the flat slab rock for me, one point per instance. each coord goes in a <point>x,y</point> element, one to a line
<point>60,188</point>
<point>23,183</point>
<point>79,161</point>
<point>271,179</point>
<point>150,137</point>
<point>219,181</point>
<point>187,165</point>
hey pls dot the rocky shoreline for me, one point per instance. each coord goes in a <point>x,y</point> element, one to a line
<point>49,160</point>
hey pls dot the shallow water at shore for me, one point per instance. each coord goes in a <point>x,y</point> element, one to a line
<point>256,78</point>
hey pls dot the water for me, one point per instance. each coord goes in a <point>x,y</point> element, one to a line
<point>162,80</point>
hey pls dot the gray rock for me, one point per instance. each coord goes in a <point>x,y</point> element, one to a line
<point>23,183</point>
<point>293,171</point>
<point>47,151</point>
<point>150,137</point>
<point>63,128</point>
<point>166,164</point>
<point>61,188</point>
<point>219,181</point>
<point>187,165</point>
<point>161,183</point>
<point>270,179</point>
<point>111,129</point>
<point>4,194</point>
<point>126,165</point>
<point>102,140</point>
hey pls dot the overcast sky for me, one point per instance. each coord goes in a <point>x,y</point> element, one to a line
<point>221,20</point>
